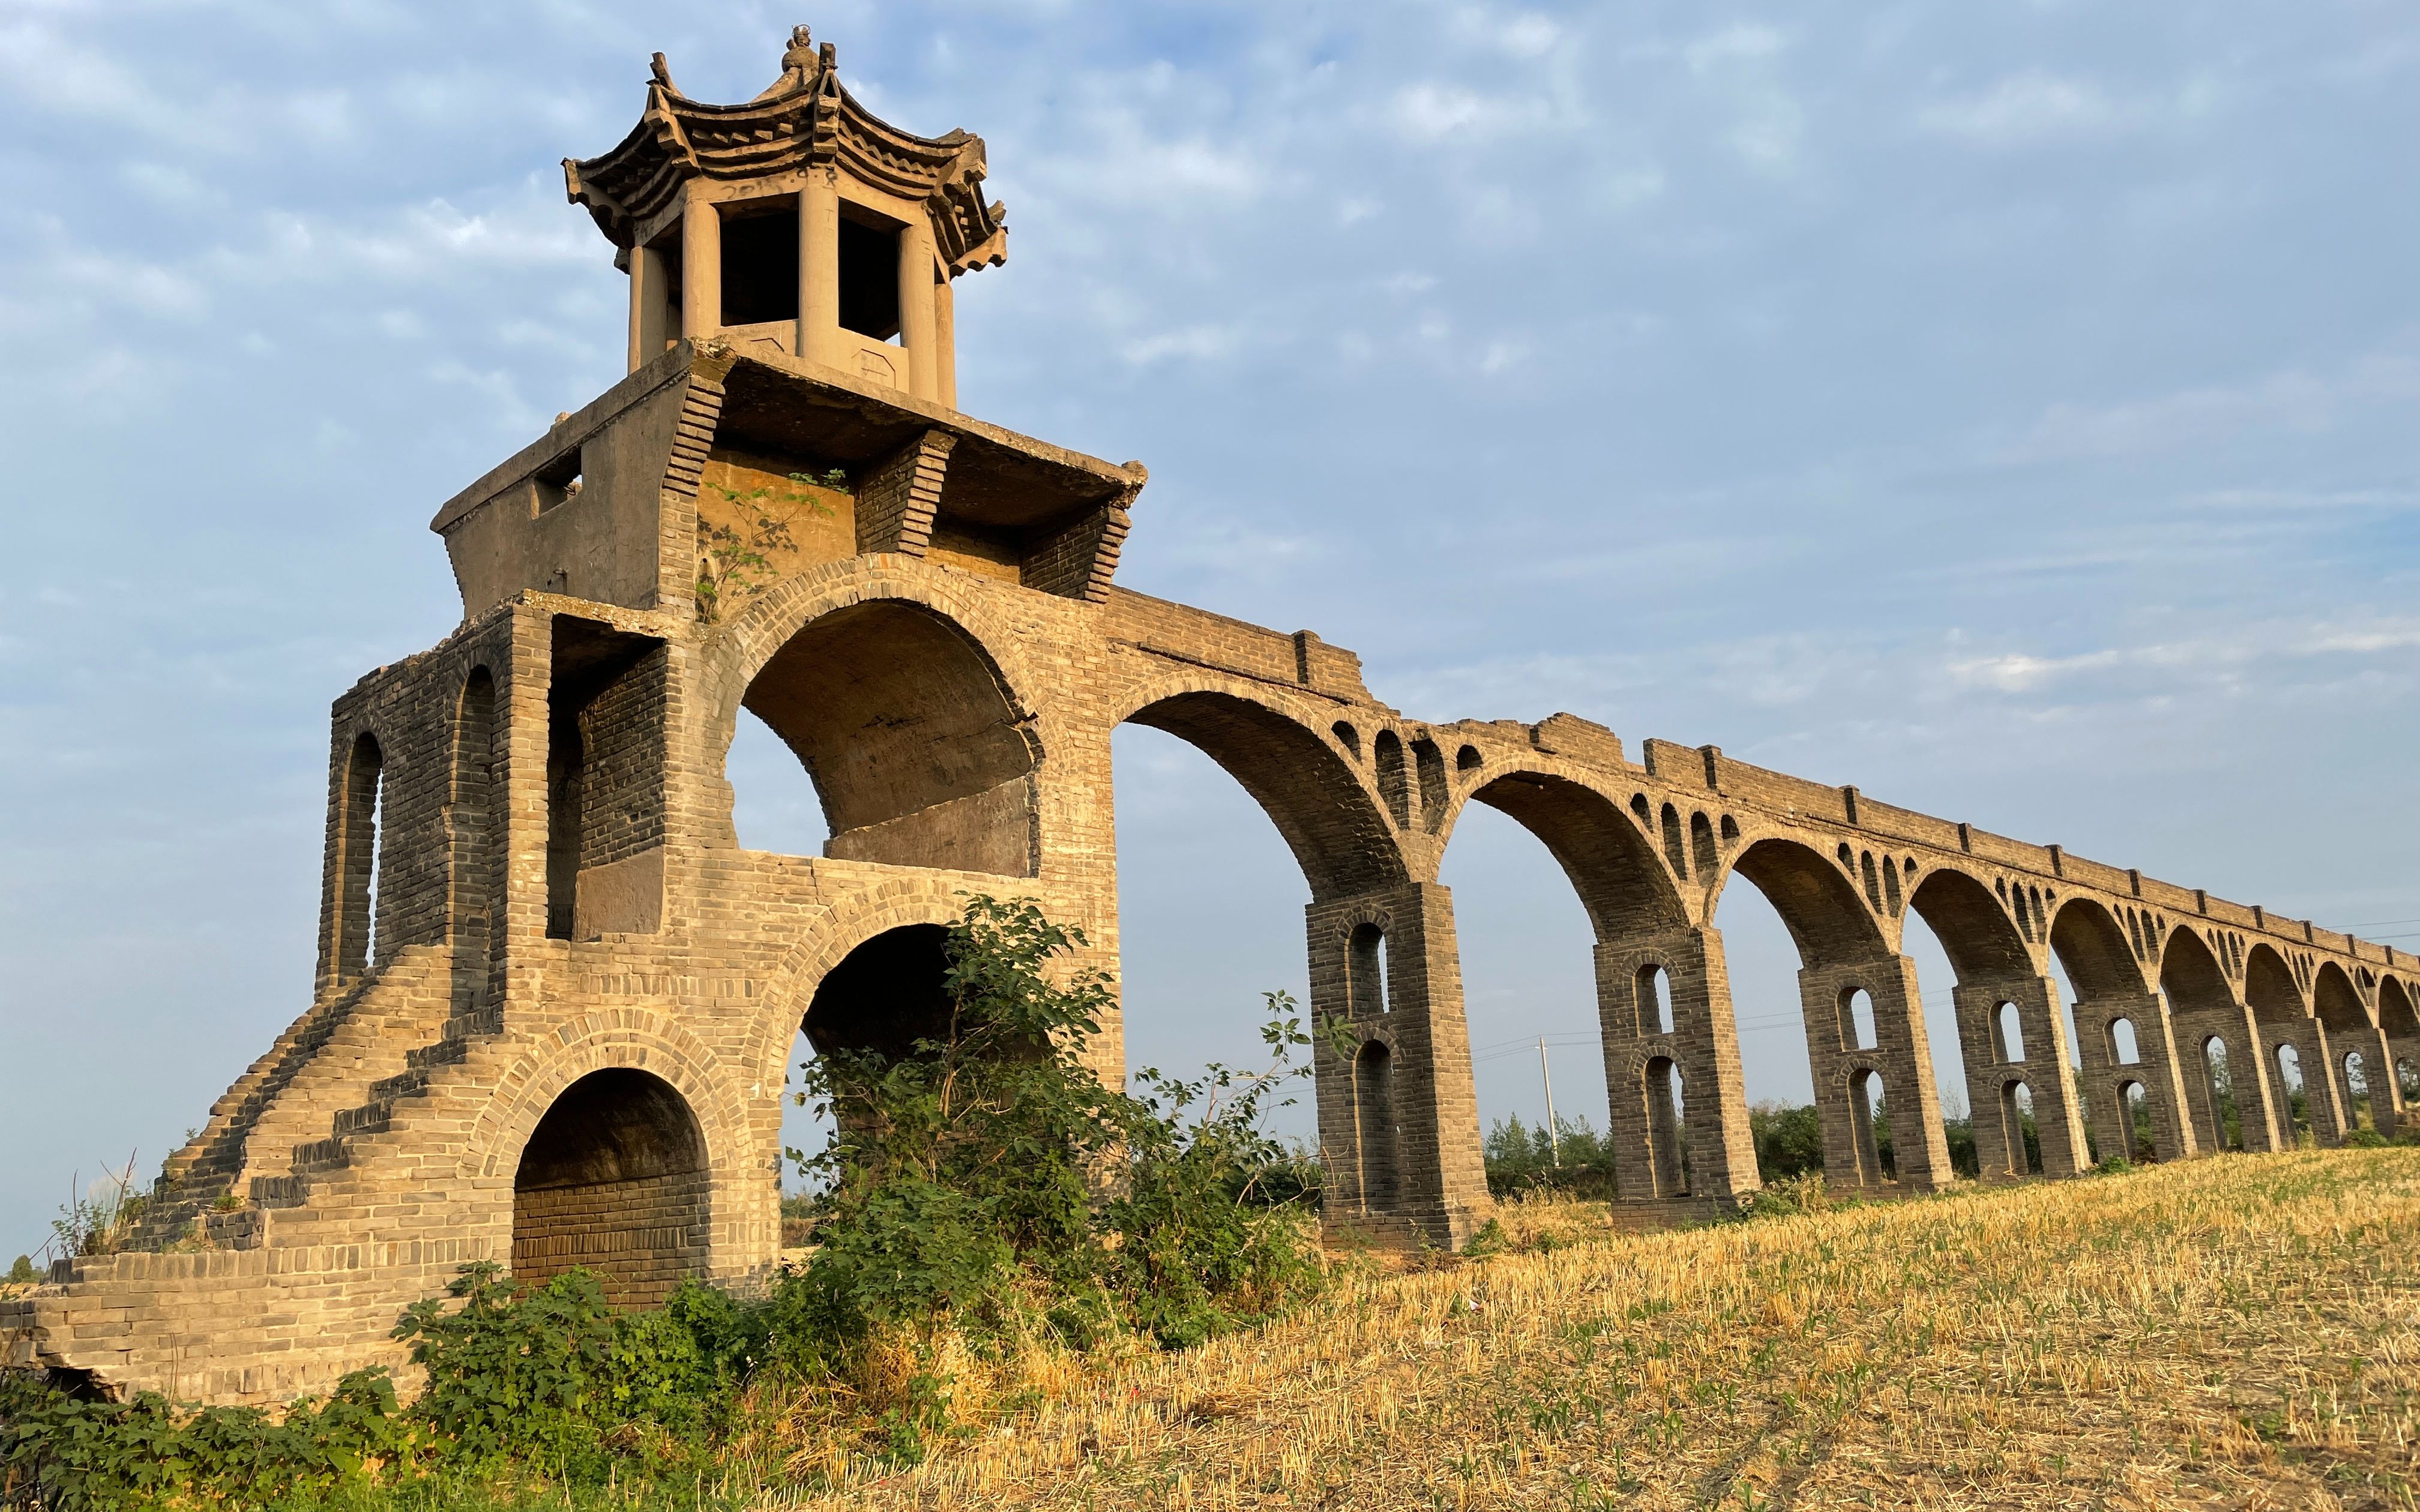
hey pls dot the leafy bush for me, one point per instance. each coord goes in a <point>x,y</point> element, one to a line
<point>21,1273</point>
<point>1789,1196</point>
<point>60,1451</point>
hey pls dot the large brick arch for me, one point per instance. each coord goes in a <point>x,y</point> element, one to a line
<point>2337,1002</point>
<point>2270,987</point>
<point>907,705</point>
<point>1622,880</point>
<point>741,650</point>
<point>2192,976</point>
<point>634,1038</point>
<point>774,1027</point>
<point>1329,810</point>
<point>1829,918</point>
<point>2091,944</point>
<point>2396,1017</point>
<point>1975,930</point>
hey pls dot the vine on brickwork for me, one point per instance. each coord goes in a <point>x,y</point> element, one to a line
<point>733,561</point>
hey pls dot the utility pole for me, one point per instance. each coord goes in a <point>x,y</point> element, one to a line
<point>1554,1139</point>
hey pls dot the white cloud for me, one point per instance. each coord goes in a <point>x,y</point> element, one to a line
<point>1431,112</point>
<point>1739,65</point>
<point>2291,400</point>
<point>2036,107</point>
<point>1202,343</point>
<point>1501,355</point>
<point>2017,673</point>
<point>1737,42</point>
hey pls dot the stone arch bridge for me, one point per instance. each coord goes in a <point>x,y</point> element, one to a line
<point>554,999</point>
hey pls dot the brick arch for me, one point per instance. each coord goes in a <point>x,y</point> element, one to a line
<point>2192,976</point>
<point>2397,1015</point>
<point>1621,878</point>
<point>2270,986</point>
<point>2336,1000</point>
<point>1827,917</point>
<point>1975,931</point>
<point>636,1038</point>
<point>2091,944</point>
<point>1330,811</point>
<point>1645,1052</point>
<point>774,1027</point>
<point>737,653</point>
<point>1366,913</point>
<point>901,699</point>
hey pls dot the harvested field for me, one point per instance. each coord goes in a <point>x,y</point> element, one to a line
<point>2237,1332</point>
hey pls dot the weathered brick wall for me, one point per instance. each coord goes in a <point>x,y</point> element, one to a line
<point>642,1237</point>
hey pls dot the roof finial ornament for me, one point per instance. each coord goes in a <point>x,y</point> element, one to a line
<point>663,73</point>
<point>797,64</point>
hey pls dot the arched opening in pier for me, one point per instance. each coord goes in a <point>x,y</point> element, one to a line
<point>885,997</point>
<point>614,1178</point>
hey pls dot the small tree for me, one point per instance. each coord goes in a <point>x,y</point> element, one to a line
<point>21,1273</point>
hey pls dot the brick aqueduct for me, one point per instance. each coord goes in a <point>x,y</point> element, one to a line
<point>563,1038</point>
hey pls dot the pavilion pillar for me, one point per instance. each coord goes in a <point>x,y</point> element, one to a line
<point>650,306</point>
<point>918,322</point>
<point>701,262</point>
<point>819,267</point>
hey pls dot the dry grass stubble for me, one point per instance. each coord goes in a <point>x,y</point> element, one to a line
<point>2240,1331</point>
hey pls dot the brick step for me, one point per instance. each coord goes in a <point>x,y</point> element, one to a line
<point>315,1156</point>
<point>374,1116</point>
<point>279,1191</point>
<point>317,1159</point>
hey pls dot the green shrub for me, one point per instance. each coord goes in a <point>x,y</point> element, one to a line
<point>58,1451</point>
<point>1789,1197</point>
<point>21,1273</point>
<point>1575,1159</point>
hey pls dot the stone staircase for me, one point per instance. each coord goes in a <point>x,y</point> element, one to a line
<point>314,1162</point>
<point>349,1047</point>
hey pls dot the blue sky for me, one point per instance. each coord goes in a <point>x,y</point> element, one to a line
<point>2007,407</point>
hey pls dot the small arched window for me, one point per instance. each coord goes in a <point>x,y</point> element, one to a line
<point>1365,971</point>
<point>357,858</point>
<point>1857,1020</point>
<point>2009,1032</point>
<point>1654,1000</point>
<point>1701,846</point>
<point>2123,1048</point>
<point>1394,781</point>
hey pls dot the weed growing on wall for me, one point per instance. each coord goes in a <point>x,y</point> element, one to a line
<point>735,560</point>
